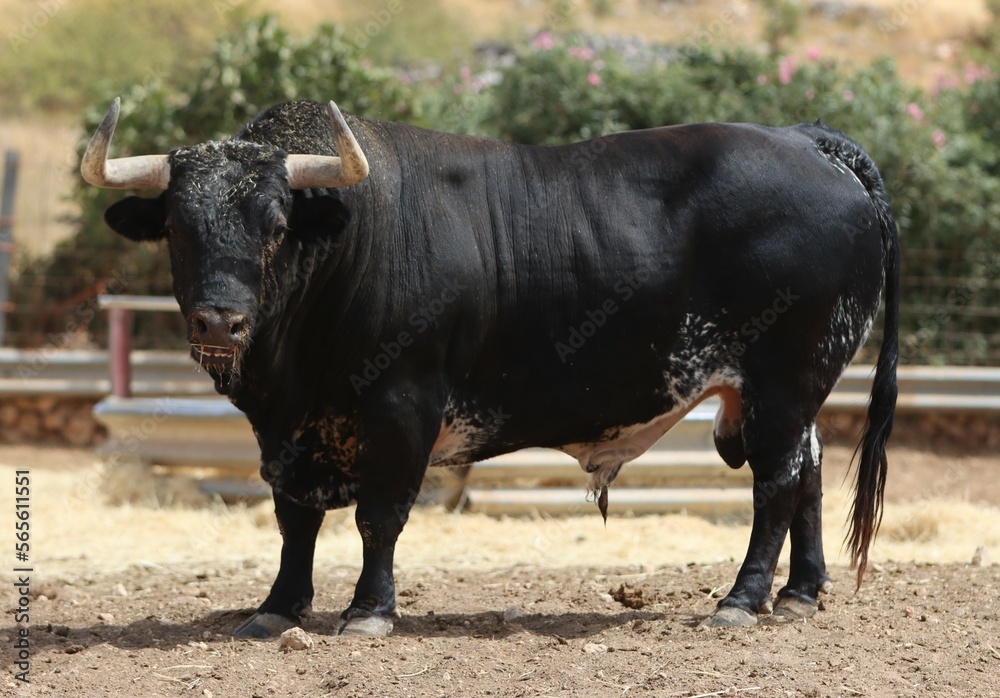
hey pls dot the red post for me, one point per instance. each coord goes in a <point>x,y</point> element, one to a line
<point>120,344</point>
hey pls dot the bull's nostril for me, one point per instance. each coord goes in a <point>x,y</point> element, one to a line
<point>218,329</point>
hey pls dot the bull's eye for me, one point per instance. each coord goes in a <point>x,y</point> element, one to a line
<point>278,229</point>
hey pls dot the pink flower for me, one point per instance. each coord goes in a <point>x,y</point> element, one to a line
<point>915,112</point>
<point>810,94</point>
<point>813,53</point>
<point>786,69</point>
<point>939,139</point>
<point>848,96</point>
<point>761,79</point>
<point>975,73</point>
<point>465,73</point>
<point>946,82</point>
<point>594,79</point>
<point>583,53</point>
<point>543,42</point>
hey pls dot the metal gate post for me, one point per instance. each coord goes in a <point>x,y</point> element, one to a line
<point>11,160</point>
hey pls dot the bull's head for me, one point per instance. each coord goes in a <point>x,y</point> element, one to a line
<point>225,210</point>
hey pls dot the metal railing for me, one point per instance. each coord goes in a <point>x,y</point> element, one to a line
<point>121,314</point>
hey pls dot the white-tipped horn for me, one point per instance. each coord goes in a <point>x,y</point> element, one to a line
<point>140,172</point>
<point>321,171</point>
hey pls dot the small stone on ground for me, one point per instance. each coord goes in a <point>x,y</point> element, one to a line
<point>295,639</point>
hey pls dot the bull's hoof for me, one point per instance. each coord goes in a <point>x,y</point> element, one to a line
<point>729,617</point>
<point>795,607</point>
<point>264,625</point>
<point>367,626</point>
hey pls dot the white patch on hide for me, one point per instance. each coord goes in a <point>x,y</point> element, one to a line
<point>452,440</point>
<point>842,167</point>
<point>464,428</point>
<point>814,445</point>
<point>850,326</point>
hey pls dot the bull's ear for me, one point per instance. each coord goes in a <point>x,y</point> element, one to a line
<point>137,218</point>
<point>317,214</point>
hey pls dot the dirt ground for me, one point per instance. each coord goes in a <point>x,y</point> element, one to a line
<point>139,599</point>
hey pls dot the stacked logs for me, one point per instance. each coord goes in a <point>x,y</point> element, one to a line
<point>49,420</point>
<point>935,430</point>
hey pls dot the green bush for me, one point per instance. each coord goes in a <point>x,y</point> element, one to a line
<point>556,93</point>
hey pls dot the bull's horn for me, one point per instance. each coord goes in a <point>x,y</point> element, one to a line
<point>322,171</point>
<point>140,172</point>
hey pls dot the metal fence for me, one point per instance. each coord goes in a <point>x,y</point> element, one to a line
<point>951,307</point>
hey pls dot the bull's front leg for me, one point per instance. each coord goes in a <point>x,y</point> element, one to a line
<point>292,592</point>
<point>392,460</point>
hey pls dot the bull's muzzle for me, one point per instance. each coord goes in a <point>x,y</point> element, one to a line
<point>217,336</point>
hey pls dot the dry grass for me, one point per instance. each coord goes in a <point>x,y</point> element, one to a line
<point>74,529</point>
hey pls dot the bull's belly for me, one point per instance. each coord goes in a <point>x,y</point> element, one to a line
<point>466,437</point>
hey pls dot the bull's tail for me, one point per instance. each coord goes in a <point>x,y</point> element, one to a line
<point>869,488</point>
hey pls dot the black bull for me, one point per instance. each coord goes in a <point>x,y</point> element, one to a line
<point>471,297</point>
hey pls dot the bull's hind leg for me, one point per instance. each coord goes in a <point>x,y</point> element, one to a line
<point>292,592</point>
<point>807,569</point>
<point>783,476</point>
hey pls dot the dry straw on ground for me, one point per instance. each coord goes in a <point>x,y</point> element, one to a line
<point>80,522</point>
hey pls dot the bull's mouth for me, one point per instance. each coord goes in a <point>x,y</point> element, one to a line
<point>209,356</point>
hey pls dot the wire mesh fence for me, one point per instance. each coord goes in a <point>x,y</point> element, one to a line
<point>950,310</point>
